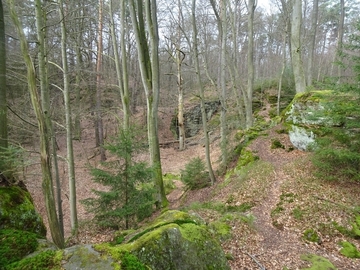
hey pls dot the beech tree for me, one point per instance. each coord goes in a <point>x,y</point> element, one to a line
<point>148,56</point>
<point>296,48</point>
<point>201,91</point>
<point>3,91</point>
<point>47,183</point>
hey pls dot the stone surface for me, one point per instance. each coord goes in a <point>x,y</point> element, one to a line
<point>193,119</point>
<point>175,240</point>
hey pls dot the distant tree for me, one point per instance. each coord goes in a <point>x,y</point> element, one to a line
<point>201,91</point>
<point>3,91</point>
<point>129,197</point>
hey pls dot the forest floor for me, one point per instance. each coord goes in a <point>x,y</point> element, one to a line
<point>286,198</point>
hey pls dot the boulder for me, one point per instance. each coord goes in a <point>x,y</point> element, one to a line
<point>193,119</point>
<point>175,240</point>
<point>17,211</point>
<point>310,112</point>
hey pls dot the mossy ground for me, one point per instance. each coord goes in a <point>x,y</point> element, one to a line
<point>318,262</point>
<point>17,211</point>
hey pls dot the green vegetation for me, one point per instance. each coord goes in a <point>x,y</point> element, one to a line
<point>221,230</point>
<point>336,154</point>
<point>17,211</point>
<point>194,175</point>
<point>49,259</point>
<point>318,262</point>
<point>15,245</point>
<point>131,262</point>
<point>311,235</point>
<point>11,163</point>
<point>349,250</point>
<point>275,143</point>
<point>129,198</point>
<point>168,179</point>
<point>221,207</point>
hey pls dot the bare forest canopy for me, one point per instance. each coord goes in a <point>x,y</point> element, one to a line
<point>70,63</point>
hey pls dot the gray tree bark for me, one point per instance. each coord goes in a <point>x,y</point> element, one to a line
<point>296,49</point>
<point>3,90</point>
<point>250,60</point>
<point>149,68</point>
<point>201,91</point>
<point>314,19</point>
<point>47,183</point>
<point>69,144</point>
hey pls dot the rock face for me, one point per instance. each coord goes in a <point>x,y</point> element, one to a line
<point>175,240</point>
<point>17,211</point>
<point>305,114</point>
<point>193,119</point>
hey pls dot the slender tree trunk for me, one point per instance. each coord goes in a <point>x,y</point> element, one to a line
<point>222,27</point>
<point>69,144</point>
<point>297,64</point>
<point>99,123</point>
<point>179,59</point>
<point>78,67</point>
<point>251,69</point>
<point>339,45</point>
<point>3,90</point>
<point>45,100</point>
<point>314,18</point>
<point>149,68</point>
<point>47,184</point>
<point>122,75</point>
<point>281,74</point>
<point>201,93</point>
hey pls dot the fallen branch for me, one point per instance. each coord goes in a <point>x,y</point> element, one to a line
<point>255,260</point>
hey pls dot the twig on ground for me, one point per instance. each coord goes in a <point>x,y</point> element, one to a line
<point>255,260</point>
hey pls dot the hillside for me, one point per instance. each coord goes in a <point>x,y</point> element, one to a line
<point>260,210</point>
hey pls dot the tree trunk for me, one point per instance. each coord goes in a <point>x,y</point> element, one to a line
<point>3,90</point>
<point>47,184</point>
<point>179,59</point>
<point>149,68</point>
<point>45,100</point>
<point>69,144</point>
<point>314,18</point>
<point>297,64</point>
<point>122,75</point>
<point>251,70</point>
<point>201,94</point>
<point>99,123</point>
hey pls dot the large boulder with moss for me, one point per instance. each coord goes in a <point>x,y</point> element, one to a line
<point>17,211</point>
<point>175,240</point>
<point>311,113</point>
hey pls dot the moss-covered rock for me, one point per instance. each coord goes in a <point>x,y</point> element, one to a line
<point>15,244</point>
<point>17,211</point>
<point>85,257</point>
<point>318,262</point>
<point>175,240</point>
<point>316,113</point>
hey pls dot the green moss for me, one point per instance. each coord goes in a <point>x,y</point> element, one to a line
<point>349,250</point>
<point>17,211</point>
<point>15,245</point>
<point>131,262</point>
<point>166,243</point>
<point>49,259</point>
<point>246,157</point>
<point>311,236</point>
<point>276,144</point>
<point>220,230</point>
<point>318,262</point>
